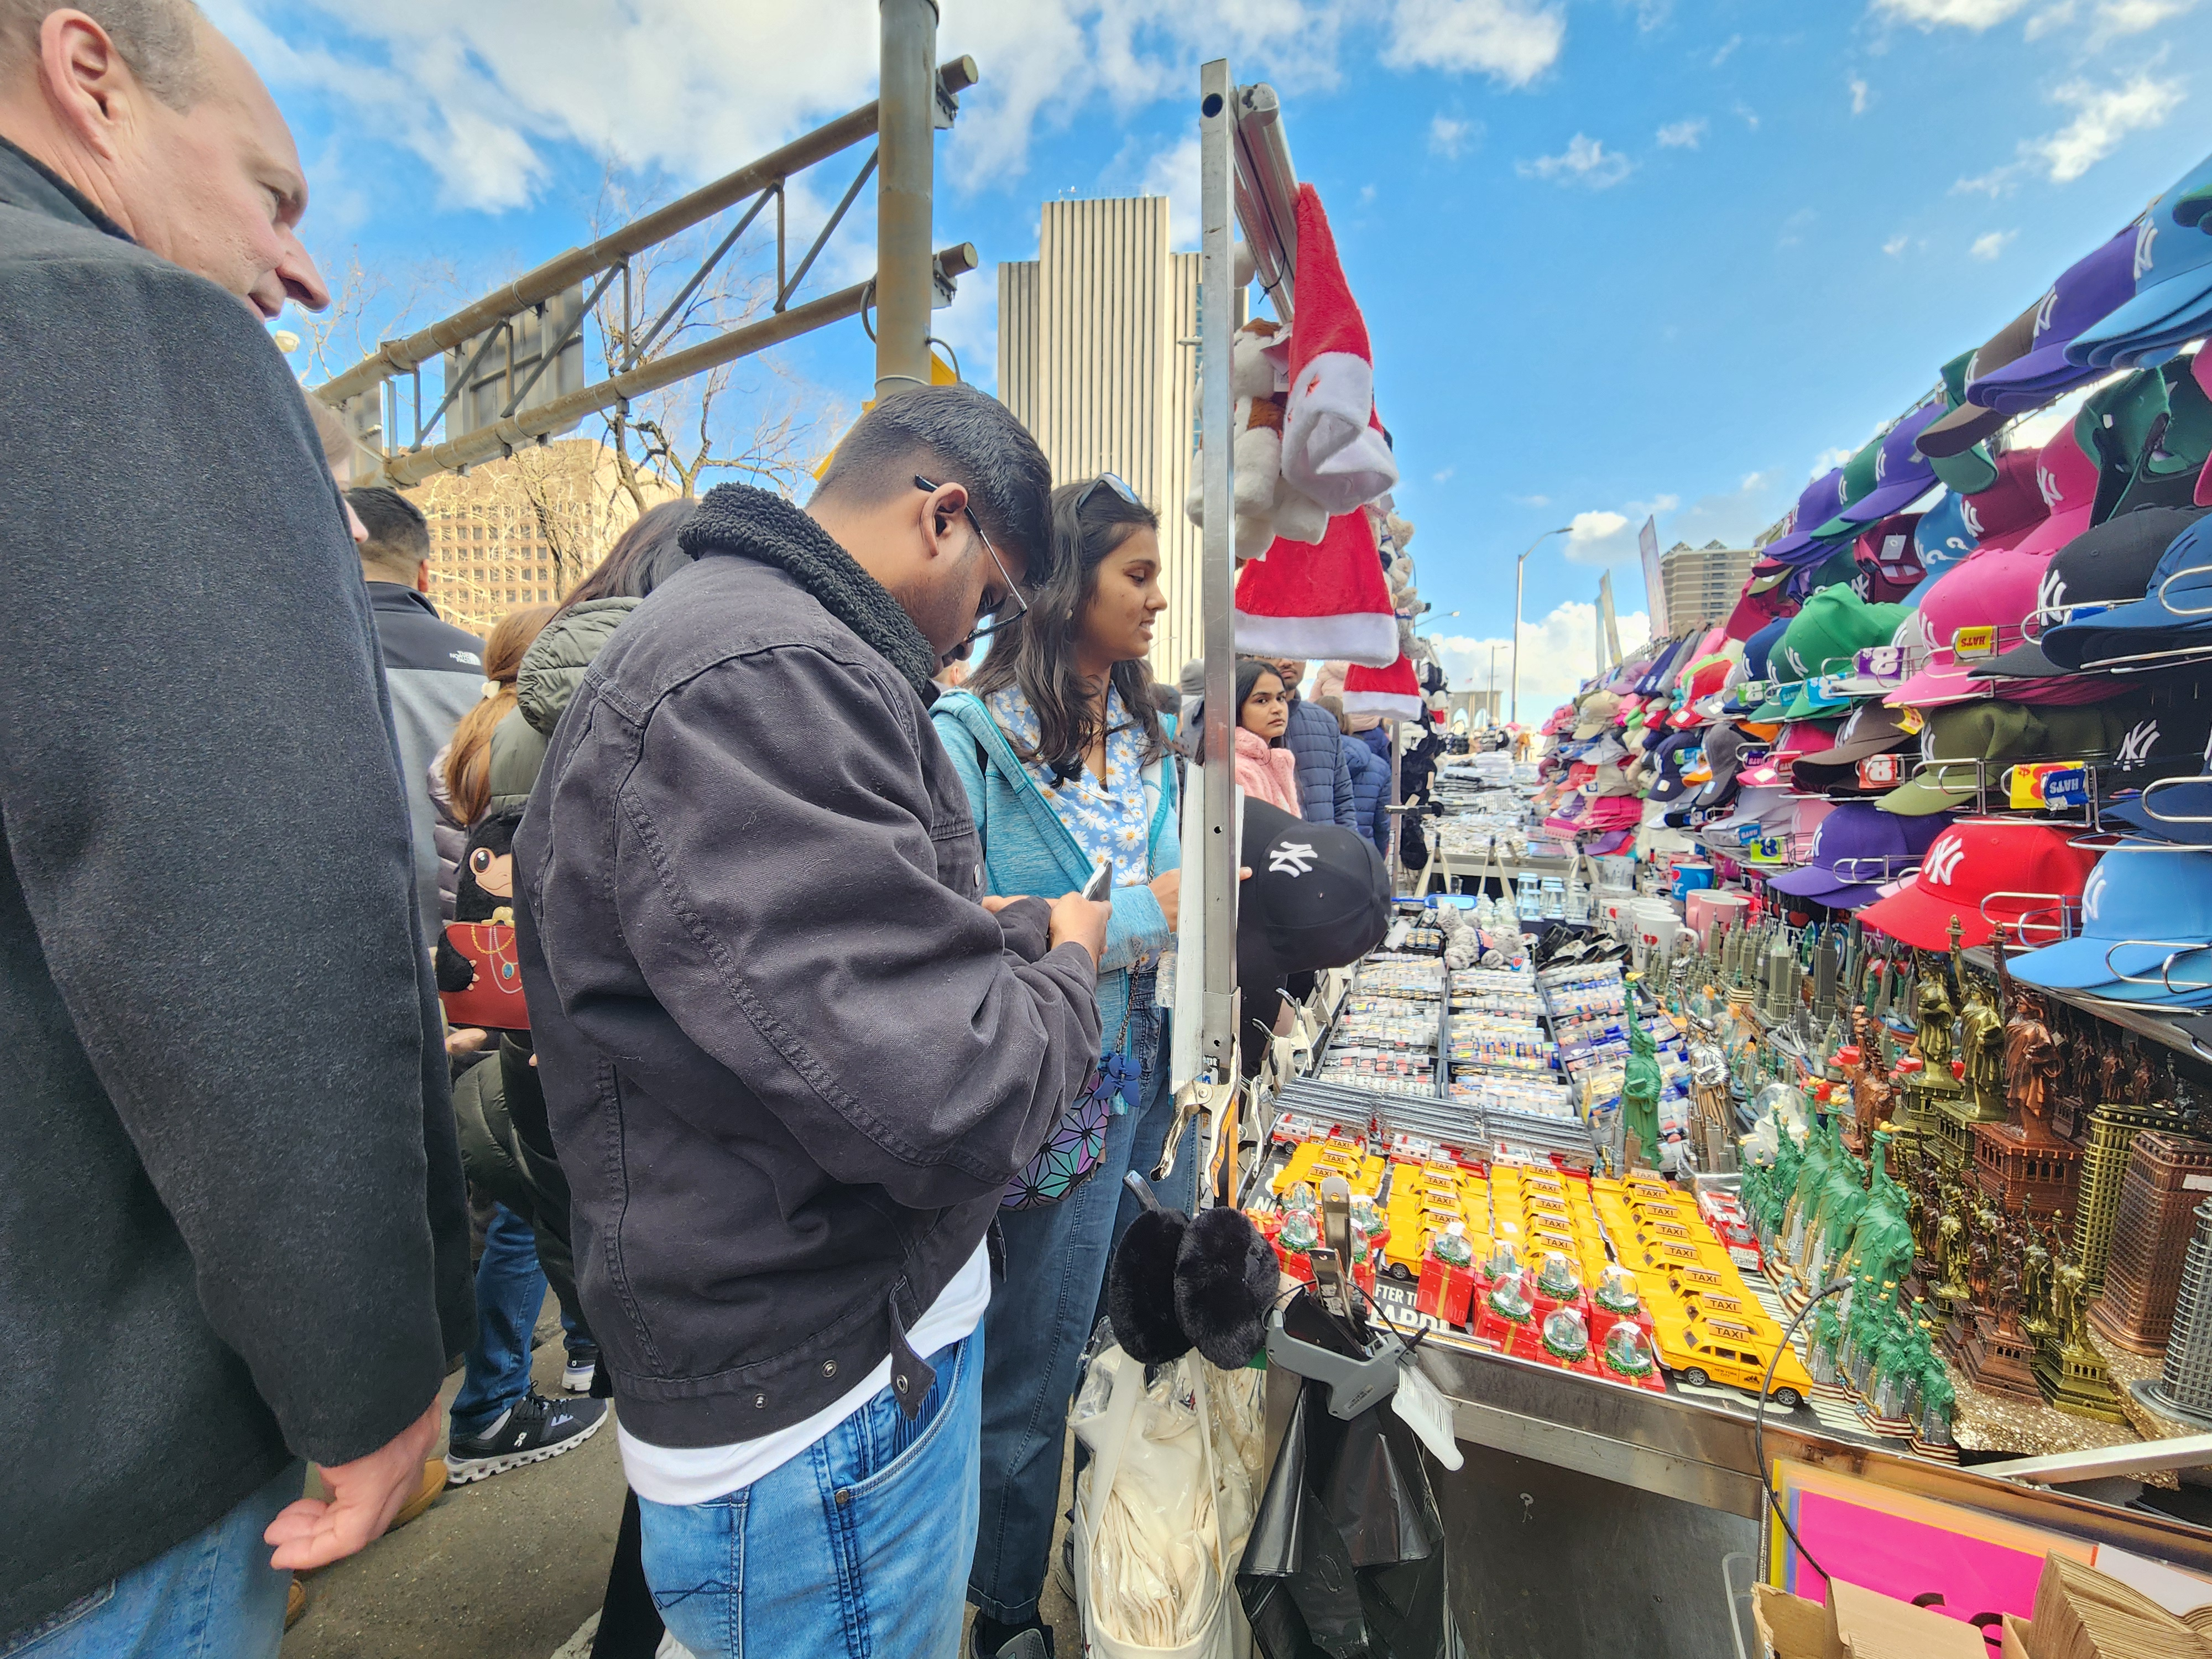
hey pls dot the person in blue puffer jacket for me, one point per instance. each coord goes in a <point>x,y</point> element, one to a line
<point>1058,739</point>
<point>1370,779</point>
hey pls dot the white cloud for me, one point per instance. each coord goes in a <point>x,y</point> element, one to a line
<point>1975,14</point>
<point>1443,476</point>
<point>1795,227</point>
<point>1366,194</point>
<point>1530,501</point>
<point>2051,17</point>
<point>2116,18</point>
<point>1651,509</point>
<point>1651,13</point>
<point>1895,245</point>
<point>1510,40</point>
<point>1172,173</point>
<point>1829,459</point>
<point>1683,135</point>
<point>2103,117</point>
<point>1860,92</point>
<point>1730,517</point>
<point>1727,49</point>
<point>1599,538</point>
<point>1992,244</point>
<point>1584,161</point>
<point>1559,652</point>
<point>1449,138</point>
<point>1746,114</point>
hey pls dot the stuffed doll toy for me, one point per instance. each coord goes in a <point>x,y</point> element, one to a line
<point>1267,504</point>
<point>479,979</point>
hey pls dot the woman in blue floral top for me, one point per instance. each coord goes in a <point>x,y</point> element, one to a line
<point>1058,739</point>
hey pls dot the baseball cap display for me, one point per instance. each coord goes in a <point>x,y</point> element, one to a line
<point>1759,649</point>
<point>1827,636</point>
<point>1888,560</point>
<point>1318,896</point>
<point>1856,851</point>
<point>1820,501</point>
<point>2106,565</point>
<point>2146,931</point>
<point>1969,469</point>
<point>2013,505</point>
<point>2175,811</point>
<point>1978,606</point>
<point>1970,423</point>
<point>1940,538</point>
<point>2172,299</point>
<point>1596,713</point>
<point>2087,291</point>
<point>2011,875</point>
<point>1673,755</point>
<point>1965,748</point>
<point>2155,452</point>
<point>2173,615</point>
<point>1900,474</point>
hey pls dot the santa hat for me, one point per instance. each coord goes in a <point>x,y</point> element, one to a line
<point>1333,448</point>
<point>1319,599</point>
<point>1392,690</point>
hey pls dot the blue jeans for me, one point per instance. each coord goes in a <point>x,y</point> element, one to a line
<point>213,1596</point>
<point>1040,1319</point>
<point>510,1289</point>
<point>851,1547</point>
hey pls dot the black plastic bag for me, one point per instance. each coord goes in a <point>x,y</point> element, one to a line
<point>1346,1559</point>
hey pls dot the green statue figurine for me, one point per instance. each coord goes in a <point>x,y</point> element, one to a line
<point>1639,1091</point>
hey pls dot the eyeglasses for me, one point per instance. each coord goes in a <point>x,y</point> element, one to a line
<point>1113,482</point>
<point>990,621</point>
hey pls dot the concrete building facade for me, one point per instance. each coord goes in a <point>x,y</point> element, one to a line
<point>1098,358</point>
<point>1703,583</point>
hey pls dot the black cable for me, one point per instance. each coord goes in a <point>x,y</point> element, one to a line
<point>1758,1420</point>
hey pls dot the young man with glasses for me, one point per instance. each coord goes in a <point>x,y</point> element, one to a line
<point>791,1056</point>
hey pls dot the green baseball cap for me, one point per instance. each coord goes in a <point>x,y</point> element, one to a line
<point>1827,636</point>
<point>1998,734</point>
<point>1971,471</point>
<point>1861,475</point>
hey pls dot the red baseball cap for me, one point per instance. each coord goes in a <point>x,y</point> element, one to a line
<point>2066,479</point>
<point>1993,874</point>
<point>2011,506</point>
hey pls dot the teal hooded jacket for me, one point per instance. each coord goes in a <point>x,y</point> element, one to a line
<point>1028,850</point>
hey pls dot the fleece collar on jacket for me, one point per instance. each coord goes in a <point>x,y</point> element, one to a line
<point>738,518</point>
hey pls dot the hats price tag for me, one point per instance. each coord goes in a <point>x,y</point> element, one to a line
<point>1882,662</point>
<point>1880,771</point>
<point>2068,786</point>
<point>1980,642</point>
<point>1832,685</point>
<point>2027,785</point>
<point>1910,718</point>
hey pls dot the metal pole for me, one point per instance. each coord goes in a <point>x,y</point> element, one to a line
<point>906,136</point>
<point>565,270</point>
<point>524,427</point>
<point>1217,597</point>
<point>1520,568</point>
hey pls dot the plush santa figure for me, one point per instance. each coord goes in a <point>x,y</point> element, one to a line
<point>1335,449</point>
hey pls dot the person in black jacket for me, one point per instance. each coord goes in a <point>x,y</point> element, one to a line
<point>791,1056</point>
<point>435,670</point>
<point>235,1236</point>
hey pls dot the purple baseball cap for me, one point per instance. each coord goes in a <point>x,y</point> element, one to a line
<point>2086,292</point>
<point>1856,848</point>
<point>1901,476</point>
<point>1821,501</point>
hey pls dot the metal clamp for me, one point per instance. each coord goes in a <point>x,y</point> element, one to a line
<point>2150,789</point>
<point>2066,909</point>
<point>2181,948</point>
<point>1354,1385</point>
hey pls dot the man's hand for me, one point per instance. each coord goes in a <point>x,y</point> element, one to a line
<point>462,1040</point>
<point>995,903</point>
<point>1082,921</point>
<point>364,1495</point>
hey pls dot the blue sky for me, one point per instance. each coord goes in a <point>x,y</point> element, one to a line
<point>1616,256</point>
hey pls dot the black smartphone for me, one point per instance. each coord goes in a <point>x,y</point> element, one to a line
<point>1102,881</point>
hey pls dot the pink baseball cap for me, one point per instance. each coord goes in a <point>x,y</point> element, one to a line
<point>1990,588</point>
<point>2066,479</point>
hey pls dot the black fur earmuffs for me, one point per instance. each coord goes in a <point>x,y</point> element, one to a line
<point>1175,1284</point>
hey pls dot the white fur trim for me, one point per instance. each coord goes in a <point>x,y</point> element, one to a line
<point>1369,640</point>
<point>1383,702</point>
<point>1330,451</point>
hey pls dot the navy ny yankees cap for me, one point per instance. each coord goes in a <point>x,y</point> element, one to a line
<point>1318,896</point>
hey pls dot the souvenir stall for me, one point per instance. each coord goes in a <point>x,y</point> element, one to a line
<point>1758,1180</point>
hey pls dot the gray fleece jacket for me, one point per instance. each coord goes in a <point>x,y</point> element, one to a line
<point>233,1230</point>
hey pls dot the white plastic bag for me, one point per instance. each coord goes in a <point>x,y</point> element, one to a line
<point>1162,1510</point>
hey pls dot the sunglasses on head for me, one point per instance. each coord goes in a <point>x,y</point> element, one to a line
<point>992,621</point>
<point>1112,481</point>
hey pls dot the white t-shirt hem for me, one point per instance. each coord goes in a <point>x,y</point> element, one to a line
<point>699,1475</point>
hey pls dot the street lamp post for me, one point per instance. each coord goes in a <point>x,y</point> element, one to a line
<point>1520,569</point>
<point>1493,684</point>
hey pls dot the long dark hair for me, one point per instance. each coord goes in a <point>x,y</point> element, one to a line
<point>1248,670</point>
<point>1037,653</point>
<point>643,556</point>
